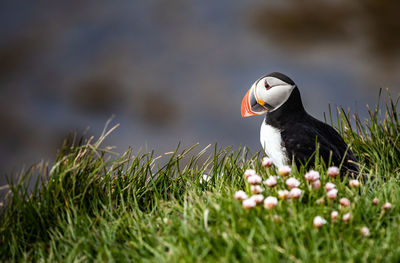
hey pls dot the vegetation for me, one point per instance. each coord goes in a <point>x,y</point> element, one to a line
<point>92,205</point>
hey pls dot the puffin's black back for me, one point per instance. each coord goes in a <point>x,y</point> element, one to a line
<point>301,132</point>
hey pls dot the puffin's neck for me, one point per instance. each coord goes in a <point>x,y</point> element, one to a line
<point>289,112</point>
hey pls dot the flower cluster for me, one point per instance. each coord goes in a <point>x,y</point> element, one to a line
<point>284,187</point>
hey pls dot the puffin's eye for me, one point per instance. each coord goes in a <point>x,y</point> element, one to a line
<point>266,85</point>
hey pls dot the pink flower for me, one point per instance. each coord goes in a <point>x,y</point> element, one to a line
<point>316,184</point>
<point>354,183</point>
<point>248,173</point>
<point>295,193</point>
<point>284,170</point>
<point>365,231</point>
<point>283,194</point>
<point>271,181</point>
<point>267,162</point>
<point>254,179</point>
<point>319,221</point>
<point>270,202</point>
<point>333,171</point>
<point>387,206</point>
<point>257,198</point>
<point>344,202</point>
<point>329,186</point>
<point>334,215</point>
<point>375,201</point>
<point>240,195</point>
<point>346,217</point>
<point>248,204</point>
<point>320,201</point>
<point>292,182</point>
<point>332,194</point>
<point>312,176</point>
<point>256,189</point>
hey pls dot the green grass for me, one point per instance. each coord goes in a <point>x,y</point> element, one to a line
<point>92,205</point>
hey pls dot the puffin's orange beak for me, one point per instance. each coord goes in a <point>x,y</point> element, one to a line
<point>251,106</point>
<point>246,109</point>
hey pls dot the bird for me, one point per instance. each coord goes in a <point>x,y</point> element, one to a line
<point>288,133</point>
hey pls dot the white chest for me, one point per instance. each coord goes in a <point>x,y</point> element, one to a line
<point>271,141</point>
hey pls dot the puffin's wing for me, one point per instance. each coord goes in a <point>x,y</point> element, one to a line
<point>343,150</point>
<point>301,141</point>
<point>304,136</point>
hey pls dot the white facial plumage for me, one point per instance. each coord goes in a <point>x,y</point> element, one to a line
<point>277,93</point>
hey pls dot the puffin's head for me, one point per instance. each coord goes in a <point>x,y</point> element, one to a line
<point>267,94</point>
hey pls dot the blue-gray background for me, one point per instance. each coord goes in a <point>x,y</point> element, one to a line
<point>176,71</point>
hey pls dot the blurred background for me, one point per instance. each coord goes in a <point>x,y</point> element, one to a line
<point>176,71</point>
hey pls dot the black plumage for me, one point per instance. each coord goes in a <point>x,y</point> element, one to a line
<point>301,133</point>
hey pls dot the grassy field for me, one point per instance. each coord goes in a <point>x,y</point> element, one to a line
<point>91,205</point>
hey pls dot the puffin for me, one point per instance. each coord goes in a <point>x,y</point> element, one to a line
<point>288,133</point>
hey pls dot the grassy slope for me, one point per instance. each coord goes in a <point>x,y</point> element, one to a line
<point>91,207</point>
